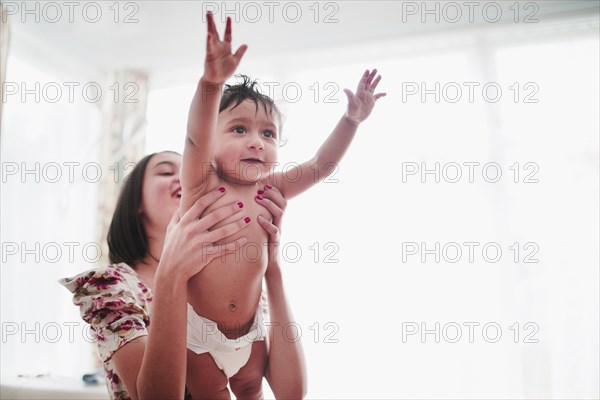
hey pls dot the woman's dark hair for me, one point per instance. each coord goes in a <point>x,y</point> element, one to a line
<point>248,90</point>
<point>127,239</point>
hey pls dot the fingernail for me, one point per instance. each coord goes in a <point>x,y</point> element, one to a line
<point>259,198</point>
<point>268,187</point>
<point>261,192</point>
<point>240,204</point>
<point>221,189</point>
<point>247,220</point>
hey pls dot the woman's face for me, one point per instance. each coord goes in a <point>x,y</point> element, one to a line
<point>161,192</point>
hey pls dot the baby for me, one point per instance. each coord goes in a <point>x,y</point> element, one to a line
<point>231,146</point>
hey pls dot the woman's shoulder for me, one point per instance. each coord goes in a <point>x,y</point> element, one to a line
<point>115,302</point>
<point>108,294</point>
<point>109,281</point>
<point>100,277</point>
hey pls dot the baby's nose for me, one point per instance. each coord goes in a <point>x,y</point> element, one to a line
<point>254,142</point>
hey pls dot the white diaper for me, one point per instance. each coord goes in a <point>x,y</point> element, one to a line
<point>230,355</point>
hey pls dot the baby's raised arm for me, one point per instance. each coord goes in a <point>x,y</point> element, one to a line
<point>332,150</point>
<point>219,65</point>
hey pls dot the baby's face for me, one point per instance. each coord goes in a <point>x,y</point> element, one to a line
<point>246,144</point>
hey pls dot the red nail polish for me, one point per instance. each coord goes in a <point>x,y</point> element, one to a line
<point>240,204</point>
<point>221,189</point>
<point>247,220</point>
<point>261,192</point>
<point>268,187</point>
<point>259,198</point>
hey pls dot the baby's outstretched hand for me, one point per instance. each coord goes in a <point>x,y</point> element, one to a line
<point>220,63</point>
<point>361,104</point>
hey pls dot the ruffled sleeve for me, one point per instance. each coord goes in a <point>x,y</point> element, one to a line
<point>114,302</point>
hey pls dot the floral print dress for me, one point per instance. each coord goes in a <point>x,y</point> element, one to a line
<point>116,304</point>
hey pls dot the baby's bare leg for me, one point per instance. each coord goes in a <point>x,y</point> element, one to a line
<point>204,379</point>
<point>247,383</point>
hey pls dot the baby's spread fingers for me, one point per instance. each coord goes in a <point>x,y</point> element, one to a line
<point>210,47</point>
<point>370,78</point>
<point>212,28</point>
<point>227,36</point>
<point>227,230</point>
<point>240,53</point>
<point>350,96</point>
<point>375,83</point>
<point>363,81</point>
<point>209,22</point>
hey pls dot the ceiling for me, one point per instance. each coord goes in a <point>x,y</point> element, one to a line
<point>168,36</point>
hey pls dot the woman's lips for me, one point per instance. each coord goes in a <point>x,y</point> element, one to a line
<point>177,193</point>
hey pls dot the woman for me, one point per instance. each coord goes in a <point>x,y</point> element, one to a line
<point>154,252</point>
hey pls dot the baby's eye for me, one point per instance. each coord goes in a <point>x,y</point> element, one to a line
<point>269,134</point>
<point>239,129</point>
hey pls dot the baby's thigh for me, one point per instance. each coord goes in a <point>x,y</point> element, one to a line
<point>247,383</point>
<point>204,379</point>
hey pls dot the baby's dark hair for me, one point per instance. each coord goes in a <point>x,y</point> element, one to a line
<point>248,89</point>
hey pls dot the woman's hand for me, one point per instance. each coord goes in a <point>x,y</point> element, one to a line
<point>275,203</point>
<point>189,240</point>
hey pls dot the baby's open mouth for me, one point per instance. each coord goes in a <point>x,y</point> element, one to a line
<point>253,160</point>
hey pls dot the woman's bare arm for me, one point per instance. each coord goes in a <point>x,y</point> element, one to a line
<point>154,366</point>
<point>286,369</point>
